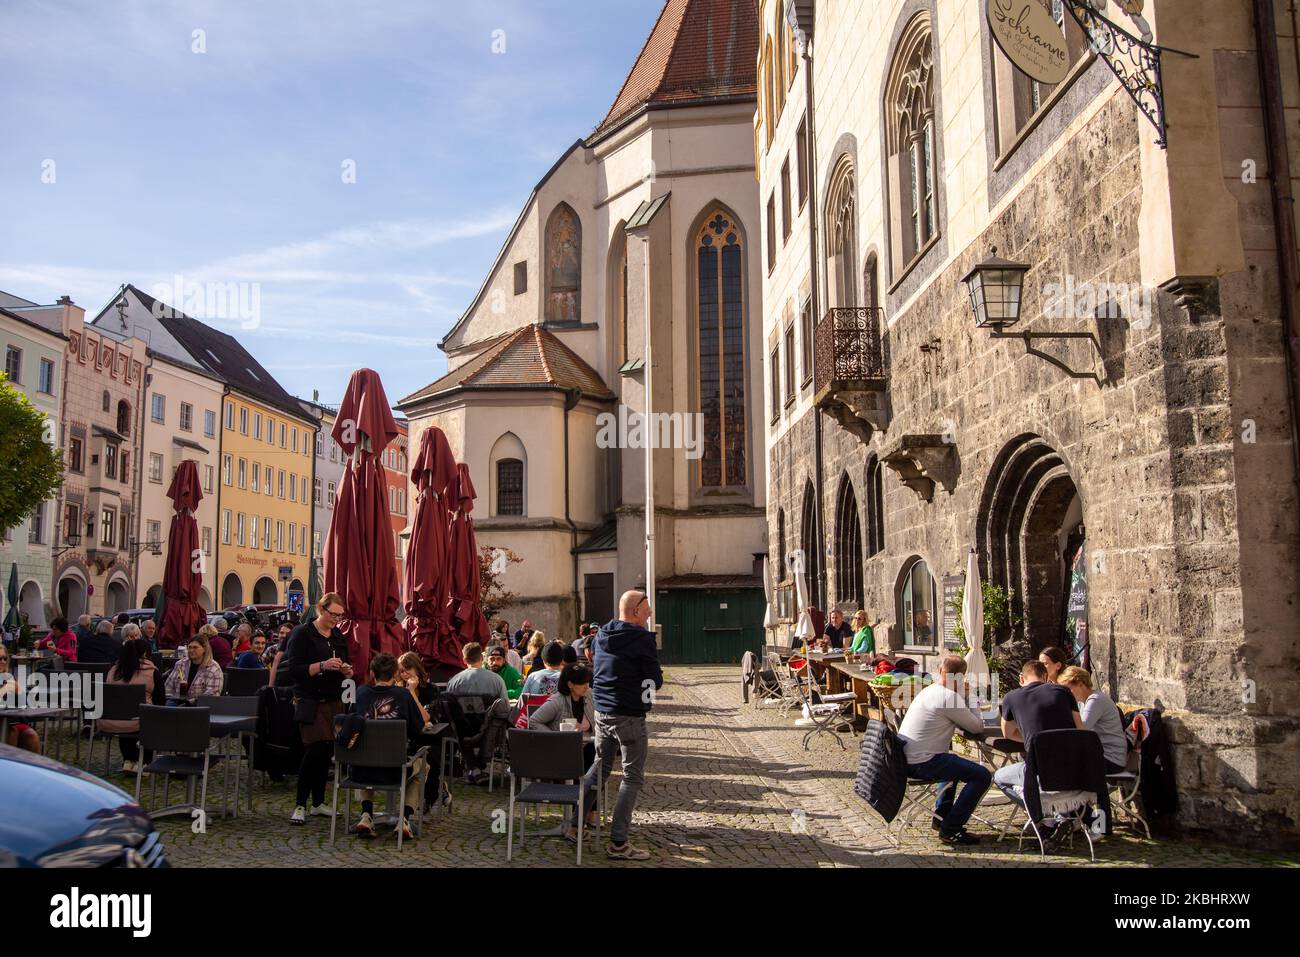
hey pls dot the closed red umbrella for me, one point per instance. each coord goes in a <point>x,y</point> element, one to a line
<point>183,571</point>
<point>359,548</point>
<point>464,615</point>
<point>433,471</point>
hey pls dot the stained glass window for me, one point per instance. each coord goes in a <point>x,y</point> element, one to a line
<point>721,323</point>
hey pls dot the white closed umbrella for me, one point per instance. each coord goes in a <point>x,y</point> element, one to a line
<point>769,614</point>
<point>803,627</point>
<point>972,621</point>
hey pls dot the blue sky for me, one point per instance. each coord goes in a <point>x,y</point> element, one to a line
<point>227,166</point>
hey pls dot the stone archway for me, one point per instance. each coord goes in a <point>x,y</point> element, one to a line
<point>117,597</point>
<point>72,595</point>
<point>1029,511</point>
<point>32,603</point>
<point>232,591</point>
<point>266,592</point>
<point>205,599</point>
<point>152,597</point>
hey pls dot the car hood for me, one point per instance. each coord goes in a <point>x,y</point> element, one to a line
<point>53,815</point>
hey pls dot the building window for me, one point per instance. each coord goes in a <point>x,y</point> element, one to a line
<point>124,526</point>
<point>71,521</point>
<point>769,94</point>
<point>521,278</point>
<point>14,365</point>
<point>875,494</point>
<point>208,475</point>
<point>293,535</point>
<point>227,467</point>
<point>266,534</point>
<point>270,431</point>
<point>801,159</point>
<point>334,451</point>
<point>320,446</point>
<point>110,461</point>
<point>910,146</point>
<point>279,536</point>
<point>225,526</point>
<point>848,547</point>
<point>187,417</point>
<point>563,265</point>
<point>776,383</point>
<point>209,423</point>
<point>267,483</point>
<point>158,407</point>
<point>36,532</point>
<point>720,315</point>
<point>330,499</point>
<point>510,487</point>
<point>280,484</point>
<point>155,467</point>
<point>806,350</point>
<point>230,415</point>
<point>283,433</point>
<point>243,420</point>
<point>316,543</point>
<point>842,227</point>
<point>1019,99</point>
<point>126,467</point>
<point>293,440</point>
<point>315,492</point>
<point>771,231</point>
<point>106,401</point>
<point>785,201</point>
<point>124,417</point>
<point>302,540</point>
<point>241,525</point>
<point>782,571</point>
<point>257,426</point>
<point>75,454</point>
<point>789,362</point>
<point>47,377</point>
<point>257,472</point>
<point>812,547</point>
<point>207,539</point>
<point>916,603</point>
<point>253,536</point>
<point>108,528</point>
<point>243,473</point>
<point>293,487</point>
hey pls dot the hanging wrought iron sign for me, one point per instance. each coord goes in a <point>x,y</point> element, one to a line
<point>1030,38</point>
<point>1134,60</point>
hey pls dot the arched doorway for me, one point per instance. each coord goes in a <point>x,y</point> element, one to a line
<point>32,604</point>
<point>266,592</point>
<point>72,595</point>
<point>205,599</point>
<point>1030,529</point>
<point>296,585</point>
<point>116,597</point>
<point>232,592</point>
<point>810,544</point>
<point>152,597</point>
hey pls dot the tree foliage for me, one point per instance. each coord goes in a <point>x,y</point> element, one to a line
<point>492,565</point>
<point>31,468</point>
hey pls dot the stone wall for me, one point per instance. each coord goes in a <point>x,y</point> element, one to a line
<point>1190,534</point>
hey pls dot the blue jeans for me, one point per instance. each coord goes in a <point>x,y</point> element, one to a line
<point>950,769</point>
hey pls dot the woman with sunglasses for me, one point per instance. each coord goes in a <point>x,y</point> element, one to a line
<point>318,663</point>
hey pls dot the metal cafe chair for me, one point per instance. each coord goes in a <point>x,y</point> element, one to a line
<point>548,761</point>
<point>382,745</point>
<point>178,739</point>
<point>120,703</point>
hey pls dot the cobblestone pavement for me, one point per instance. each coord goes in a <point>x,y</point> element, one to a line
<point>726,785</point>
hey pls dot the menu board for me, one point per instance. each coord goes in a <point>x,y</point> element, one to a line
<point>951,610</point>
<point>1076,614</point>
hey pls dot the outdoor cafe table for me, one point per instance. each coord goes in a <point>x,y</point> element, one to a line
<point>30,715</point>
<point>848,676</point>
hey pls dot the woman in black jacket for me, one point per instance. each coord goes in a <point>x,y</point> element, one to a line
<point>318,664</point>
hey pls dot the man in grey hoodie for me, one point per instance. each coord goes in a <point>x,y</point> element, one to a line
<point>625,677</point>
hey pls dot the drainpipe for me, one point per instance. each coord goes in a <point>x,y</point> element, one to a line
<point>1270,74</point>
<point>649,446</point>
<point>138,485</point>
<point>571,397</point>
<point>819,585</point>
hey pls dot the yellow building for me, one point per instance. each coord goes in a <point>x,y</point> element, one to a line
<point>265,508</point>
<point>264,460</point>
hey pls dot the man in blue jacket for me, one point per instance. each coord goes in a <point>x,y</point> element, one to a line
<point>625,677</point>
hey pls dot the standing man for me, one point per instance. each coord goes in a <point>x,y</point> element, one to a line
<point>625,679</point>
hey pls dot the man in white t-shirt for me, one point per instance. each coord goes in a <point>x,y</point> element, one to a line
<point>926,733</point>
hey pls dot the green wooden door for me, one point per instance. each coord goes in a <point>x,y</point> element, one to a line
<point>709,626</point>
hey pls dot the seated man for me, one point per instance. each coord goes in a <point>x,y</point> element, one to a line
<point>546,680</point>
<point>926,733</point>
<point>838,633</point>
<point>496,662</point>
<point>1036,705</point>
<point>475,679</point>
<point>386,700</point>
<point>102,647</point>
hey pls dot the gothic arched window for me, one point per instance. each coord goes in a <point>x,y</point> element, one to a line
<point>563,265</point>
<point>848,547</point>
<point>875,496</point>
<point>910,140</point>
<point>842,220</point>
<point>720,318</point>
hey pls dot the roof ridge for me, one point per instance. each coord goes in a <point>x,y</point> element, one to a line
<point>609,114</point>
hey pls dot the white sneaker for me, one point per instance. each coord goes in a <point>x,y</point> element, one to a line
<point>130,767</point>
<point>322,810</point>
<point>299,815</point>
<point>364,827</point>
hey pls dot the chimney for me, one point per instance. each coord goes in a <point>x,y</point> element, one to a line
<point>315,396</point>
<point>65,300</point>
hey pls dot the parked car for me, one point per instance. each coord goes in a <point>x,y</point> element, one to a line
<point>60,816</point>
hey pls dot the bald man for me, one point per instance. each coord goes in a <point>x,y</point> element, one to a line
<point>625,676</point>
